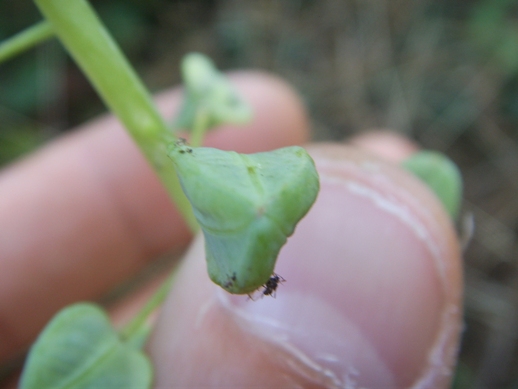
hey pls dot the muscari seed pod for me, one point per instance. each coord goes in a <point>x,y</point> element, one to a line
<point>247,207</point>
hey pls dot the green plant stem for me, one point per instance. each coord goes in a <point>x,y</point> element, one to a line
<point>80,30</point>
<point>200,127</point>
<point>133,327</point>
<point>25,40</point>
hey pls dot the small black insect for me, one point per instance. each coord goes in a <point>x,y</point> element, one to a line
<point>270,288</point>
<point>182,144</point>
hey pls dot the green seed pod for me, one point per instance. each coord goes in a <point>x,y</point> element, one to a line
<point>207,90</point>
<point>247,206</point>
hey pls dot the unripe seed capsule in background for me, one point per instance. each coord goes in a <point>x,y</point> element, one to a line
<point>208,90</point>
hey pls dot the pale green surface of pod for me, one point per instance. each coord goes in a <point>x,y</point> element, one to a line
<point>247,206</point>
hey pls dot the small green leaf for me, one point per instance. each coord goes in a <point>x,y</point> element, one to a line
<point>80,349</point>
<point>208,91</point>
<point>441,175</point>
<point>247,206</point>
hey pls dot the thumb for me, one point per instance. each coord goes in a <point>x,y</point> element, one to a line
<point>371,298</point>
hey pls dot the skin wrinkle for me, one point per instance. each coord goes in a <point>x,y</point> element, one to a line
<point>305,367</point>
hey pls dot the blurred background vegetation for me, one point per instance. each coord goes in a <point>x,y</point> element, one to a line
<point>445,73</point>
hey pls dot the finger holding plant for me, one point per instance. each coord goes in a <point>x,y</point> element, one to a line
<point>246,205</point>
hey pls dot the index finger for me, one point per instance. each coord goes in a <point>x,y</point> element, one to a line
<point>86,211</point>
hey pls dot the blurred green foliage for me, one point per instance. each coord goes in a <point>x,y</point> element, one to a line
<point>152,31</point>
<point>493,28</point>
<point>16,141</point>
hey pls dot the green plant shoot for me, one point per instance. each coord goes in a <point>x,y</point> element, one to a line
<point>79,348</point>
<point>247,207</point>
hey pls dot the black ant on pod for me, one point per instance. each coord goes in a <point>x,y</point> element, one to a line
<point>182,144</point>
<point>270,287</point>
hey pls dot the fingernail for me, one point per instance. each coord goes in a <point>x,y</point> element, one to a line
<point>367,298</point>
<point>318,334</point>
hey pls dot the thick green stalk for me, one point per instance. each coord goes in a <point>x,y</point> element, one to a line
<point>76,24</point>
<point>25,40</point>
<point>152,304</point>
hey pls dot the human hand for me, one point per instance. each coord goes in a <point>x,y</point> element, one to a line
<point>372,296</point>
